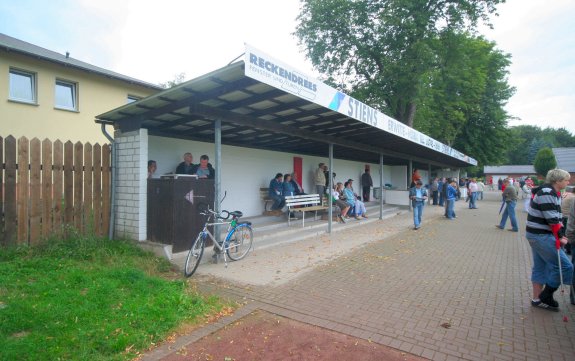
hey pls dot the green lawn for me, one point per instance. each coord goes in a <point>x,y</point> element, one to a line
<point>90,299</point>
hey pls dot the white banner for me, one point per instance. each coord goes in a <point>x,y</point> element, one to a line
<point>268,70</point>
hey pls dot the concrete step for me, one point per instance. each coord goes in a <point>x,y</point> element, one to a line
<point>277,233</point>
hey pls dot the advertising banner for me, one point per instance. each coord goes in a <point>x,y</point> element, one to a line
<point>264,68</point>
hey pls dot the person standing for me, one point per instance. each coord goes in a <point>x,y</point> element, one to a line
<point>450,196</point>
<point>366,184</point>
<point>473,189</point>
<point>510,198</point>
<point>435,190</point>
<point>544,232</point>
<point>418,196</point>
<point>441,190</point>
<point>186,167</point>
<point>204,170</point>
<point>152,166</point>
<point>319,179</point>
<point>567,200</point>
<point>570,234</point>
<point>480,189</point>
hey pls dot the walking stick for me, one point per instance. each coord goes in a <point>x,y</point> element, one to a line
<point>561,286</point>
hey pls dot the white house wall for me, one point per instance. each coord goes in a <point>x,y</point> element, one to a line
<point>245,170</point>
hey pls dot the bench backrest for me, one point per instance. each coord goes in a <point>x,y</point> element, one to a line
<point>303,200</point>
<point>264,193</point>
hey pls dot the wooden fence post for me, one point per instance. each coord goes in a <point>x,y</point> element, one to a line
<point>68,183</point>
<point>47,188</point>
<point>35,193</point>
<point>23,190</point>
<point>97,164</point>
<point>58,193</point>
<point>78,182</point>
<point>10,207</point>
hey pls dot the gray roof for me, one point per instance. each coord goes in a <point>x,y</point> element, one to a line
<point>509,169</point>
<point>11,44</point>
<point>261,116</point>
<point>565,158</point>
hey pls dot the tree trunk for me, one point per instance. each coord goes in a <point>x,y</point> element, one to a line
<point>410,116</point>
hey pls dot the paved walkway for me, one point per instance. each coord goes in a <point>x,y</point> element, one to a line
<point>453,290</point>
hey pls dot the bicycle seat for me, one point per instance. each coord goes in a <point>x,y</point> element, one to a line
<point>236,214</point>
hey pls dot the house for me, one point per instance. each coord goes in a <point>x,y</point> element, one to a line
<point>508,171</point>
<point>46,94</point>
<point>565,158</point>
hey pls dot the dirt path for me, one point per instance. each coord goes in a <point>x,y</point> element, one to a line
<point>265,336</point>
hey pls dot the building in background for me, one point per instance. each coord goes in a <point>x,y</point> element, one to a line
<point>46,94</point>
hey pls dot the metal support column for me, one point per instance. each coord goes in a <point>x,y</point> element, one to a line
<point>430,180</point>
<point>330,186</point>
<point>218,177</point>
<point>409,177</point>
<point>381,186</point>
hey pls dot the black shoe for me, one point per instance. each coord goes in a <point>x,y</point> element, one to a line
<point>546,296</point>
<point>544,306</point>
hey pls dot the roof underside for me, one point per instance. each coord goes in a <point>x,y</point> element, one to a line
<point>256,115</point>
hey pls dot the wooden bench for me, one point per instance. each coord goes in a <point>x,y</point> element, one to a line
<point>304,203</point>
<point>265,197</point>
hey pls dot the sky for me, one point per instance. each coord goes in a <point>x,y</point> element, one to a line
<point>156,40</point>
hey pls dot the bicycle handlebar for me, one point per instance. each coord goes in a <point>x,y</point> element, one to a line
<point>220,215</point>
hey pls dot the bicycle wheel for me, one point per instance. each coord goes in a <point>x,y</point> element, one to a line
<point>194,256</point>
<point>240,242</point>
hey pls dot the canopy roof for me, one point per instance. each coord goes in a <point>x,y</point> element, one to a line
<point>258,115</point>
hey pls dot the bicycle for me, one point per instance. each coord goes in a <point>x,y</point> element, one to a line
<point>236,245</point>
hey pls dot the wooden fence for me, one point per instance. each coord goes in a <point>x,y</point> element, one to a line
<point>51,187</point>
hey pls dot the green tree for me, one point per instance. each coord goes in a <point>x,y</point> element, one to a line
<point>526,140</point>
<point>463,102</point>
<point>178,79</point>
<point>544,161</point>
<point>382,50</point>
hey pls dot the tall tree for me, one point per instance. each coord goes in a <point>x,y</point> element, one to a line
<point>381,49</point>
<point>462,104</point>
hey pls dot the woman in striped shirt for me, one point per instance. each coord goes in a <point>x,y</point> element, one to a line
<point>544,230</point>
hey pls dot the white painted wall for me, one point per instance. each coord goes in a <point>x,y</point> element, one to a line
<point>245,170</point>
<point>398,177</point>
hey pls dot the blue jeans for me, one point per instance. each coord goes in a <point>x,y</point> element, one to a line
<point>441,198</point>
<point>472,199</point>
<point>509,212</point>
<point>279,201</point>
<point>417,213</point>
<point>545,261</point>
<point>450,208</point>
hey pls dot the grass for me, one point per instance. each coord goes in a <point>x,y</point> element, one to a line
<point>90,299</point>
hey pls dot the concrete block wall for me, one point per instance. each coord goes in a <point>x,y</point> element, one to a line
<point>131,184</point>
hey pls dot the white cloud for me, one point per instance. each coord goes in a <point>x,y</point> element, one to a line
<point>541,38</point>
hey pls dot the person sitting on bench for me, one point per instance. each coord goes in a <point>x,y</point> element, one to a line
<point>359,206</point>
<point>275,192</point>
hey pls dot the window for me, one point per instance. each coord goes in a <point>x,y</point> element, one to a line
<point>132,98</point>
<point>66,95</point>
<point>22,86</point>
